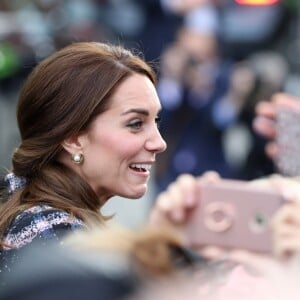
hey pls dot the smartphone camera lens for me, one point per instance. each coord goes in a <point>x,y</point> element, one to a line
<point>259,223</point>
<point>260,219</point>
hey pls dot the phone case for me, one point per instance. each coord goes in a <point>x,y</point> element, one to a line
<point>234,214</point>
<point>288,137</point>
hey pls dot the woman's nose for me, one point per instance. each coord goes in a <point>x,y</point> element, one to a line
<point>156,143</point>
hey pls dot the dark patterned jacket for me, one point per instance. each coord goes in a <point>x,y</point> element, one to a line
<point>39,224</point>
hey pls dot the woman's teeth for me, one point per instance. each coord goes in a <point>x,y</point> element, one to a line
<point>141,167</point>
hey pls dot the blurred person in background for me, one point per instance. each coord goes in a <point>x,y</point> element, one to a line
<point>257,77</point>
<point>194,76</point>
<point>35,29</point>
<point>208,76</point>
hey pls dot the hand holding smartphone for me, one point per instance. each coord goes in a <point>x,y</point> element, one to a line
<point>234,215</point>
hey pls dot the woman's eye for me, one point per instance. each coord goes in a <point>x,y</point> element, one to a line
<point>136,124</point>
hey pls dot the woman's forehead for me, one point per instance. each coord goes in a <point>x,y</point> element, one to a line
<point>135,91</point>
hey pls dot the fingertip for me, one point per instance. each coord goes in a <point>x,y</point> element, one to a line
<point>287,101</point>
<point>266,109</point>
<point>210,176</point>
<point>272,150</point>
<point>289,196</point>
<point>258,124</point>
<point>212,252</point>
<point>265,126</point>
<point>192,201</point>
<point>163,203</point>
<point>185,177</point>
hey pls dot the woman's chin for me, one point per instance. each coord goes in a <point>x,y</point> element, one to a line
<point>136,194</point>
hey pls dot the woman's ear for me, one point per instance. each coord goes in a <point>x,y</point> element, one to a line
<point>74,144</point>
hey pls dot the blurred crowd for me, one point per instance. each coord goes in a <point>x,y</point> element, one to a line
<point>223,59</point>
<point>215,60</point>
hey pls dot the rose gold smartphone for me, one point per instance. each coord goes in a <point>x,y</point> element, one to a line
<point>234,214</point>
<point>288,137</point>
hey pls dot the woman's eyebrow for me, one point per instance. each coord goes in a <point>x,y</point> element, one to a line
<point>136,110</point>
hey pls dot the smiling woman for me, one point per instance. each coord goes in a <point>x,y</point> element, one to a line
<point>88,118</point>
<point>129,122</point>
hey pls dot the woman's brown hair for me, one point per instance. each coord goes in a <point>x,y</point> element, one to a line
<point>60,98</point>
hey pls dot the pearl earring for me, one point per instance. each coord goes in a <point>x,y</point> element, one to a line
<point>77,158</point>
